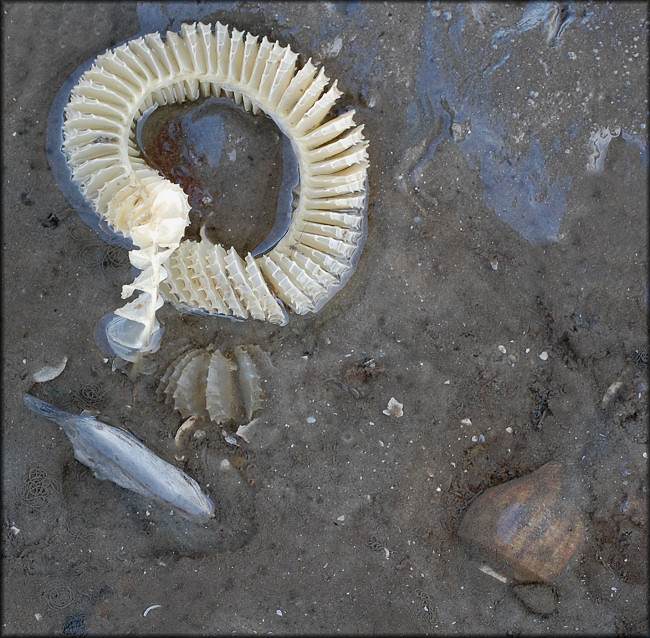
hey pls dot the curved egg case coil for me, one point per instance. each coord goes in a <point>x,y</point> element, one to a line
<point>321,247</point>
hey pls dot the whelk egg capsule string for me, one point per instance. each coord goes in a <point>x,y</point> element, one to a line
<point>133,203</point>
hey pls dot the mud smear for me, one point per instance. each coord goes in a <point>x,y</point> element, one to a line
<point>219,154</point>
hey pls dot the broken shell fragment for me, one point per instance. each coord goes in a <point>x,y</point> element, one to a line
<point>47,373</point>
<point>394,408</point>
<point>244,431</point>
<point>182,436</point>
<point>530,527</point>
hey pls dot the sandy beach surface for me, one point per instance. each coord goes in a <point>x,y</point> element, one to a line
<point>501,298</point>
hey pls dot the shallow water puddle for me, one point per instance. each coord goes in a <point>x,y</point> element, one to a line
<point>234,167</point>
<point>491,108</point>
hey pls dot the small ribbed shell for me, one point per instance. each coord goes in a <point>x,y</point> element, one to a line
<point>327,229</point>
<point>201,383</point>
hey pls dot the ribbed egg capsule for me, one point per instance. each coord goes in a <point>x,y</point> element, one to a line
<point>249,382</point>
<point>206,384</point>
<point>220,390</point>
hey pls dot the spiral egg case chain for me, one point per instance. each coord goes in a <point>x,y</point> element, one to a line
<point>325,235</point>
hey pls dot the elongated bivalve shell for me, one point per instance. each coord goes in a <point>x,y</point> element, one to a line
<point>118,456</point>
<point>531,526</point>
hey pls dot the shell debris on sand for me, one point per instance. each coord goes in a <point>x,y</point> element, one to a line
<point>201,383</point>
<point>530,526</point>
<point>185,430</point>
<point>394,408</point>
<point>47,373</point>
